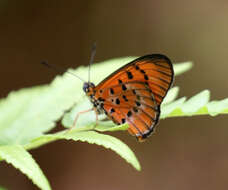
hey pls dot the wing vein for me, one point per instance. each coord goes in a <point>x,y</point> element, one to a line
<point>132,123</point>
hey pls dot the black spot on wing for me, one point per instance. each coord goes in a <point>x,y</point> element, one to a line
<point>137,67</point>
<point>146,77</point>
<point>137,103</point>
<point>129,75</point>
<point>125,98</point>
<point>123,120</point>
<point>117,101</point>
<point>111,91</point>
<point>142,71</point>
<point>129,114</point>
<point>120,81</point>
<point>112,110</point>
<point>124,87</point>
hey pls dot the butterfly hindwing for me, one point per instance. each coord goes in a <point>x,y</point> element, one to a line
<point>135,105</point>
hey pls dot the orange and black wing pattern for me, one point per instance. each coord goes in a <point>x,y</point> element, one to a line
<point>133,94</point>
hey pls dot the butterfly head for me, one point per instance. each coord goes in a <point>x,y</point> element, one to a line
<point>88,87</point>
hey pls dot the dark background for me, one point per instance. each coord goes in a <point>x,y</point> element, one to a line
<point>185,153</point>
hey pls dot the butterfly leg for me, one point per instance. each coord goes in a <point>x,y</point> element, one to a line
<point>96,120</point>
<point>77,116</point>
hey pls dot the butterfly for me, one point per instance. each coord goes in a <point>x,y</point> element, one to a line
<point>133,94</point>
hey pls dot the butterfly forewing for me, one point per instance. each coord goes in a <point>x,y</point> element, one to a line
<point>134,92</point>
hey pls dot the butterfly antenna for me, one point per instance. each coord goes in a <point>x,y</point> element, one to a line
<point>59,69</point>
<point>93,52</point>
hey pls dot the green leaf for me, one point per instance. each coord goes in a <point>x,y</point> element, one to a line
<point>180,68</point>
<point>110,126</point>
<point>197,105</point>
<point>22,160</point>
<point>217,107</point>
<point>28,113</point>
<point>2,188</point>
<point>87,120</point>
<point>15,111</point>
<point>91,137</point>
<point>171,95</point>
<point>196,102</point>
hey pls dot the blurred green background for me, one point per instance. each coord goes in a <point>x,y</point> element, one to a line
<point>185,153</point>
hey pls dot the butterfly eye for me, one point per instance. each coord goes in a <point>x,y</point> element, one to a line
<point>85,87</point>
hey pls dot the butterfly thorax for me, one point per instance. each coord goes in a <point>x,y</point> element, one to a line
<point>89,89</point>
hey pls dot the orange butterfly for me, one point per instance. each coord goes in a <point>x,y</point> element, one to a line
<point>133,94</point>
